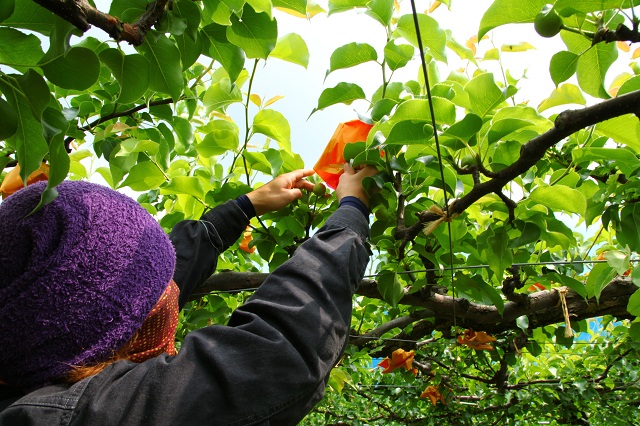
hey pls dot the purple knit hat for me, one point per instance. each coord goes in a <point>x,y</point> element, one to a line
<point>78,278</point>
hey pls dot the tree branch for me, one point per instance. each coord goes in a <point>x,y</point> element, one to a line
<point>83,15</point>
<point>541,307</point>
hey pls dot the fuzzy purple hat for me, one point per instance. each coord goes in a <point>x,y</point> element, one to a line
<point>78,278</point>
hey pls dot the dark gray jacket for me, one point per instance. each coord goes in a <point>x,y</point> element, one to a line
<point>269,366</point>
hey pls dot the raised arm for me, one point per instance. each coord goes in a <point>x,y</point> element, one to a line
<point>198,243</point>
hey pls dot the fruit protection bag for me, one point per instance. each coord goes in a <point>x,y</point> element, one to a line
<point>330,165</point>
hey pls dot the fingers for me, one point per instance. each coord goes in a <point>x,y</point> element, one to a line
<point>368,171</point>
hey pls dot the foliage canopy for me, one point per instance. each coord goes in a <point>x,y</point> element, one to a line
<point>487,302</point>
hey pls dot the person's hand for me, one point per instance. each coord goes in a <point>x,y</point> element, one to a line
<point>281,191</point>
<point>350,183</point>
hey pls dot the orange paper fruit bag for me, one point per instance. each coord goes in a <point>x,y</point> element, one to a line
<point>12,181</point>
<point>330,165</point>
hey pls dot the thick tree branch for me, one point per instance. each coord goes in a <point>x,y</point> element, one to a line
<point>83,15</point>
<point>567,123</point>
<point>542,307</point>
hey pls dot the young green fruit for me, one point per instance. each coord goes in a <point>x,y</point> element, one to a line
<point>547,23</point>
<point>319,189</point>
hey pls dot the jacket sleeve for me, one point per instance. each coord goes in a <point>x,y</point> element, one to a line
<point>268,366</point>
<point>198,243</point>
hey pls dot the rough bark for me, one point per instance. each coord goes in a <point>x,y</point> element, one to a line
<point>543,307</point>
<point>83,15</point>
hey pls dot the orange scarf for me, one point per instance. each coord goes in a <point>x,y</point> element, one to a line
<point>157,333</point>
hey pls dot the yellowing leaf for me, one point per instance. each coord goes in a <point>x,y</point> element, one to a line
<point>623,46</point>
<point>255,99</point>
<point>436,4</point>
<point>273,100</point>
<point>518,47</point>
<point>492,55</point>
<point>617,82</point>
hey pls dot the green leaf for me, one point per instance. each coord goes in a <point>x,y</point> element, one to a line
<point>599,277</point>
<point>593,64</point>
<point>462,51</point>
<point>502,128</point>
<point>502,12</point>
<point>529,233</point>
<point>35,90</point>
<point>390,287</point>
<point>220,95</point>
<point>344,93</point>
<point>299,6</point>
<point>433,37</point>
<point>572,283</point>
<point>397,55</point>
<point>624,159</point>
<point>189,185</point>
<point>230,56</point>
<point>633,306</point>
<point>190,49</point>
<point>132,145</point>
<point>464,129</point>
<point>8,120</point>
<point>380,10</point>
<point>256,33</point>
<point>261,6</point>
<point>131,73</point>
<point>190,12</point>
<point>28,139</point>
<point>128,10</point>
<point>77,69</point>
<point>292,48</point>
<point>484,94</point>
<point>59,161</point>
<point>216,11</point>
<point>165,70</point>
<point>493,295</point>
<point>337,6</point>
<point>634,329</point>
<point>563,95</point>
<point>6,9</point>
<point>498,252</point>
<point>628,231</point>
<point>418,110</point>
<point>31,16</point>
<point>617,260</point>
<point>350,55</point>
<point>562,66</point>
<point>19,50</point>
<point>258,161</point>
<point>222,136</point>
<point>407,132</point>
<point>143,177</point>
<point>623,130</point>
<point>274,125</point>
<point>571,7</point>
<point>631,85</point>
<point>560,197</point>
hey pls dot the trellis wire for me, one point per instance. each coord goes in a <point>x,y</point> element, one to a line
<point>455,268</point>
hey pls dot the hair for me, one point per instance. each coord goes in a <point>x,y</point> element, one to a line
<point>80,372</point>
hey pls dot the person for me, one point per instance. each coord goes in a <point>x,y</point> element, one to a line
<point>89,300</point>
